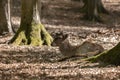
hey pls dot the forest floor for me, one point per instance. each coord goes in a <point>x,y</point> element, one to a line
<point>62,17</point>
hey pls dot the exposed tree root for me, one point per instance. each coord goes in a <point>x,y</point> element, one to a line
<point>35,35</point>
<point>93,9</point>
<point>110,57</point>
<point>93,18</point>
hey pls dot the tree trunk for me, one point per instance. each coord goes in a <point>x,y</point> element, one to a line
<point>92,9</point>
<point>8,16</point>
<point>31,31</point>
<point>84,8</point>
<point>5,19</point>
<point>111,57</point>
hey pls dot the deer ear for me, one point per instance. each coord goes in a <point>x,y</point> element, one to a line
<point>66,36</point>
<point>66,39</point>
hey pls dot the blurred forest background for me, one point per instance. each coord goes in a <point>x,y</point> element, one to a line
<point>61,18</point>
<point>65,17</point>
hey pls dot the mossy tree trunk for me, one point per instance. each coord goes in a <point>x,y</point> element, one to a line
<point>5,17</point>
<point>93,8</point>
<point>111,57</point>
<point>31,31</point>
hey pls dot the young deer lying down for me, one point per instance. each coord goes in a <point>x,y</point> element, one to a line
<point>86,49</point>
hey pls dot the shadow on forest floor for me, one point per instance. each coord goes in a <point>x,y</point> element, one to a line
<point>68,14</point>
<point>33,63</point>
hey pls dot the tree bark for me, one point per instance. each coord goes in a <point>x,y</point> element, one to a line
<point>5,19</point>
<point>111,56</point>
<point>93,8</point>
<point>31,31</point>
<point>8,16</point>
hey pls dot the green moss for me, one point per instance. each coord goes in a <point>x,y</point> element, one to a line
<point>34,34</point>
<point>21,39</point>
<point>111,57</point>
<point>47,38</point>
<point>35,37</point>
